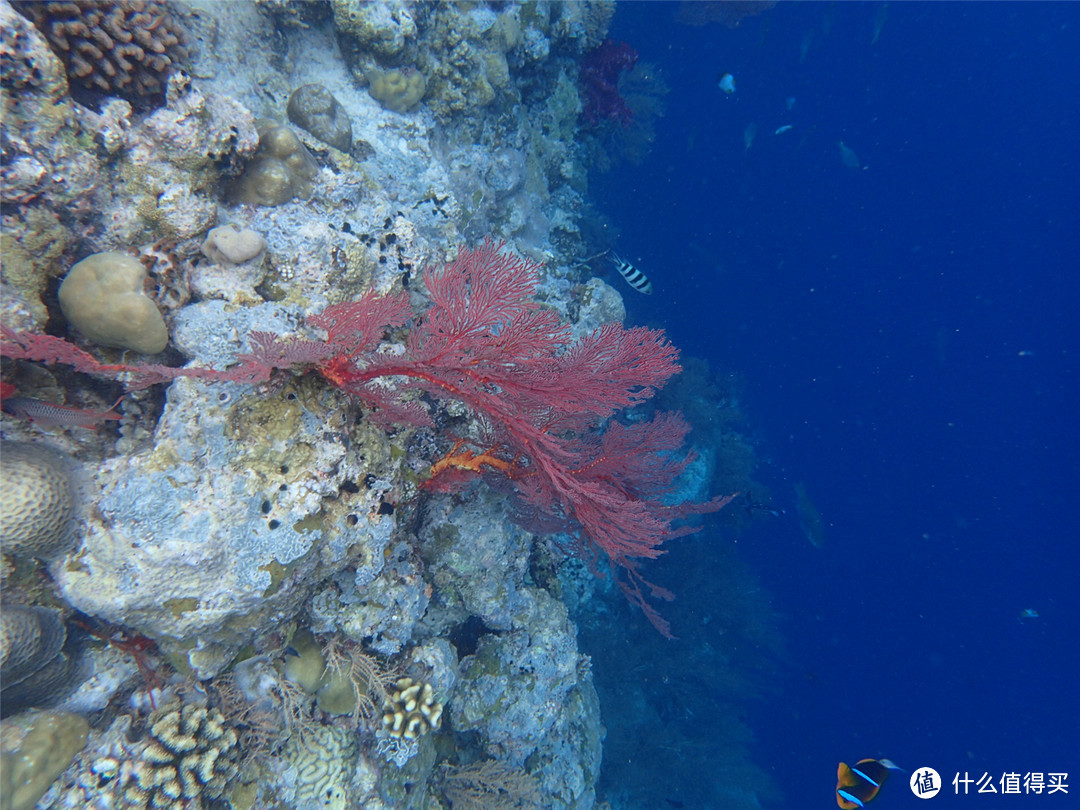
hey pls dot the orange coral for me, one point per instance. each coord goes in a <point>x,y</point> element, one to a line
<point>467,460</point>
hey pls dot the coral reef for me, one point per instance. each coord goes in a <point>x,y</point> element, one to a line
<point>34,752</point>
<point>166,182</point>
<point>529,695</point>
<point>122,48</point>
<point>206,556</point>
<point>48,168</point>
<point>383,28</point>
<point>38,500</point>
<point>269,520</point>
<point>102,296</point>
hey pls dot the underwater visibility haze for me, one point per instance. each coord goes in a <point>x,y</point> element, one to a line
<point>467,405</point>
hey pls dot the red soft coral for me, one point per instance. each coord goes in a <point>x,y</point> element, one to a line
<point>545,400</point>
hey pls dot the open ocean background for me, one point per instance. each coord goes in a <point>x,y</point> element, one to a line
<point>906,333</point>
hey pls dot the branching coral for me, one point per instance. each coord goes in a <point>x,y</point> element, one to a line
<point>124,48</point>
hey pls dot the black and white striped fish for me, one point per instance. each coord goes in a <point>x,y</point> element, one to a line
<point>634,277</point>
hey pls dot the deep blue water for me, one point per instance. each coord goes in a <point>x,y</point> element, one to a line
<point>907,332</point>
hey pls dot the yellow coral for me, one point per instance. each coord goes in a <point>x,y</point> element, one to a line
<point>397,90</point>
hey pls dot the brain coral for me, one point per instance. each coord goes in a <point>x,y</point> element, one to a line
<point>124,48</point>
<point>37,500</point>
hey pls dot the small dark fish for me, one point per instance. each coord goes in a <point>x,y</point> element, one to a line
<point>634,277</point>
<point>49,414</point>
<point>859,783</point>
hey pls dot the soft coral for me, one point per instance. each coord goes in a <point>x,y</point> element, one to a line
<point>545,400</point>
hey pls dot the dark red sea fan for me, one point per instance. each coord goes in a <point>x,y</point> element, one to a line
<point>598,79</point>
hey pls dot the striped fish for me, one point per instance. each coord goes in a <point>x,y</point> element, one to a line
<point>634,277</point>
<point>49,414</point>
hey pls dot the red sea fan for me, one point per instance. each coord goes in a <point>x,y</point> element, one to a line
<point>544,399</point>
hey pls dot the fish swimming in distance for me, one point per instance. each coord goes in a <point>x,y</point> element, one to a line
<point>848,156</point>
<point>726,82</point>
<point>859,783</point>
<point>809,518</point>
<point>631,275</point>
<point>748,135</point>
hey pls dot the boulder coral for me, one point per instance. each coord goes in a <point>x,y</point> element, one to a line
<point>313,108</point>
<point>35,753</point>
<point>230,245</point>
<point>282,169</point>
<point>102,296</point>
<point>399,90</point>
